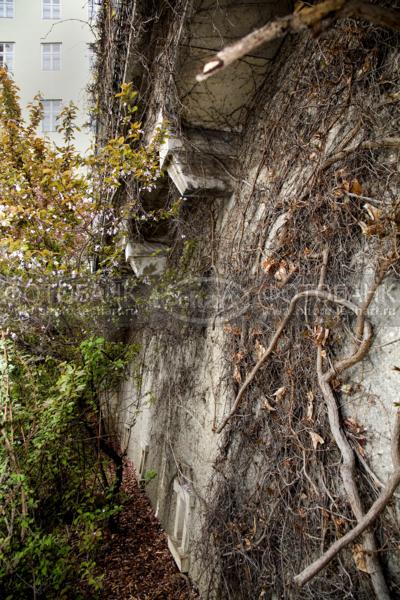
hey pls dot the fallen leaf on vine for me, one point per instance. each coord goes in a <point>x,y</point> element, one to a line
<point>316,439</point>
<point>374,212</point>
<point>353,425</point>
<point>268,264</point>
<point>320,335</point>
<point>339,522</point>
<point>282,272</point>
<point>236,374</point>
<point>232,330</point>
<point>255,332</point>
<point>356,187</point>
<point>260,349</point>
<point>280,393</point>
<point>238,357</point>
<point>266,406</point>
<point>346,185</point>
<point>358,553</point>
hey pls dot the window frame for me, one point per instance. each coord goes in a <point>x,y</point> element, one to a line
<point>179,540</point>
<point>6,4</point>
<point>4,53</point>
<point>51,55</point>
<point>51,114</point>
<point>51,6</point>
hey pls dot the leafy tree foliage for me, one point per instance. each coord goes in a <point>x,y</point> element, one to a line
<point>60,471</point>
<point>56,489</point>
<point>57,211</point>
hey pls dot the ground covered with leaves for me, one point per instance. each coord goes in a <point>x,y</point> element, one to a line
<point>135,560</point>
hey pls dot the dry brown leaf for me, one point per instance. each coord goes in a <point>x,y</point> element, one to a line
<point>260,349</point>
<point>346,185</point>
<point>282,272</point>
<point>280,393</point>
<point>316,439</point>
<point>358,553</point>
<point>320,335</point>
<point>364,228</point>
<point>338,192</point>
<point>353,425</point>
<point>232,330</point>
<point>268,264</point>
<point>256,331</point>
<point>236,374</point>
<point>374,213</point>
<point>238,357</point>
<point>375,228</point>
<point>310,405</point>
<point>356,187</point>
<point>266,406</point>
<point>339,522</point>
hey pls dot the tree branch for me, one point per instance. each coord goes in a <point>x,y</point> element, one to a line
<point>308,18</point>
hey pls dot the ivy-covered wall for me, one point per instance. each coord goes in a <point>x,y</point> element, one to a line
<point>266,383</point>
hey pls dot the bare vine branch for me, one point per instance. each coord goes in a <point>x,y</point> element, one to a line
<point>317,293</point>
<point>347,471</point>
<point>376,509</point>
<point>363,328</point>
<point>367,145</point>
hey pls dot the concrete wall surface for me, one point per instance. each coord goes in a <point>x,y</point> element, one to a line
<point>251,497</point>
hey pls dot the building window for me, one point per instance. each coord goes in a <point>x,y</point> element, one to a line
<point>51,57</point>
<point>178,542</point>
<point>51,9</point>
<point>7,9</point>
<point>7,55</point>
<point>51,110</point>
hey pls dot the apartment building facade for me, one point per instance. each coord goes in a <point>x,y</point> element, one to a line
<point>46,46</point>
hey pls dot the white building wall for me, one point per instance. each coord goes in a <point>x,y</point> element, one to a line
<point>28,30</point>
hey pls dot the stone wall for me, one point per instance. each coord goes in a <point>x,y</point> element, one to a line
<point>263,199</point>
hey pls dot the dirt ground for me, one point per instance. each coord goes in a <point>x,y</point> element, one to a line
<point>135,561</point>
